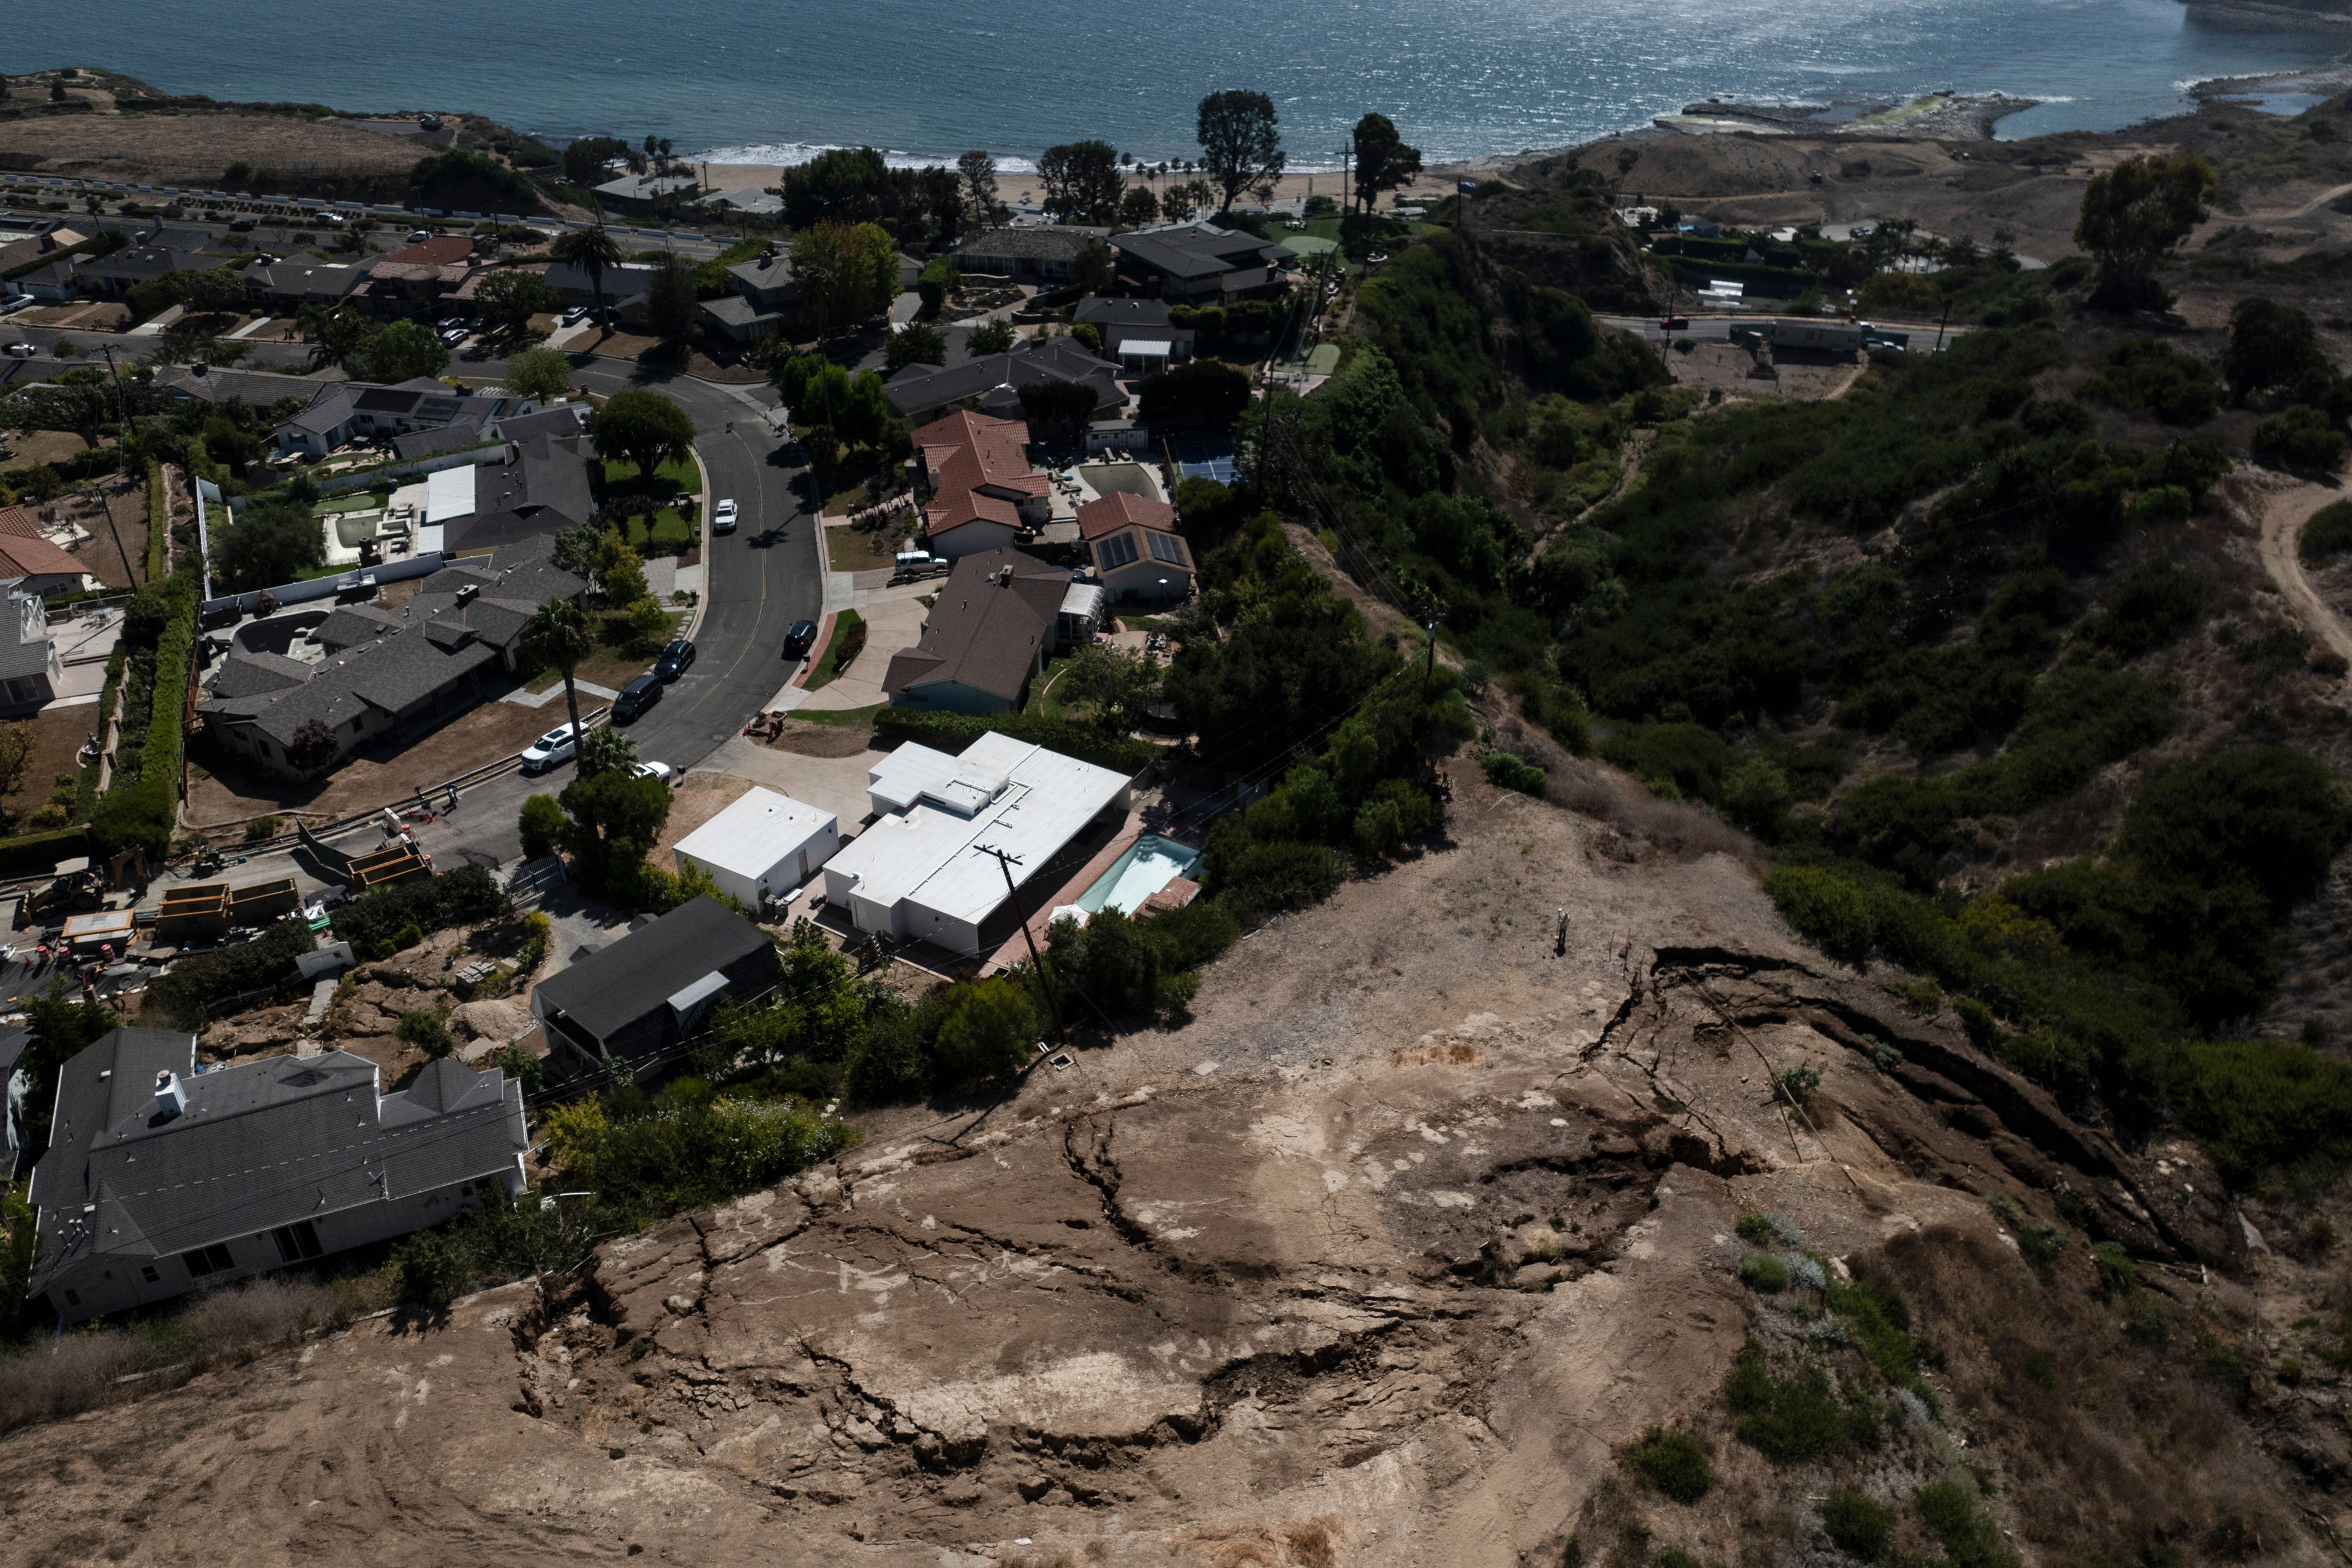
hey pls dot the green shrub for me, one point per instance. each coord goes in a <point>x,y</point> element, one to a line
<point>2302,438</point>
<point>1759,1272</point>
<point>2149,606</point>
<point>2330,533</point>
<point>954,731</point>
<point>142,812</point>
<point>426,1032</point>
<point>186,993</point>
<point>1675,1462</point>
<point>543,827</point>
<point>1857,1525</point>
<point>1879,1324</point>
<point>1755,1228</point>
<point>1788,1419</point>
<point>386,921</point>
<point>1506,770</point>
<point>2260,1106</point>
<point>987,1028</point>
<point>1948,1512</point>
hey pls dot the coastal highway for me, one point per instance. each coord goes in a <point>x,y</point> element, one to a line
<point>1718,329</point>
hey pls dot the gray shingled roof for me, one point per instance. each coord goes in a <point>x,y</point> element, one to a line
<point>244,674</point>
<point>1044,242</point>
<point>616,985</point>
<point>1201,250</point>
<point>259,388</point>
<point>18,657</point>
<point>920,390</point>
<point>260,1145</point>
<point>1103,311</point>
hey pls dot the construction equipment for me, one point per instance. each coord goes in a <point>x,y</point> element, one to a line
<point>394,863</point>
<point>211,910</point>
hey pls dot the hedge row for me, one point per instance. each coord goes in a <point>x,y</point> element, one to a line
<point>159,529</point>
<point>954,731</point>
<point>142,812</point>
<point>34,854</point>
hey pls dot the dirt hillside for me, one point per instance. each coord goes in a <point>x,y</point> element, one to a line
<point>1385,1258</point>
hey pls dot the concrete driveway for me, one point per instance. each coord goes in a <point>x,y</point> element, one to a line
<point>894,620</point>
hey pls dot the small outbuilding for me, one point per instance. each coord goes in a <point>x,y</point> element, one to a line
<point>762,847</point>
<point>638,1000</point>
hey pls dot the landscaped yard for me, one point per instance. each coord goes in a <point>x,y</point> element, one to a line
<point>664,530</point>
<point>848,641</point>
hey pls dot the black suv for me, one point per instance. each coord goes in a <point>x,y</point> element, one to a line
<point>675,660</point>
<point>797,638</point>
<point>636,697</point>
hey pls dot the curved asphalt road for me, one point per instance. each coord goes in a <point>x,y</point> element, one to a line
<point>757,581</point>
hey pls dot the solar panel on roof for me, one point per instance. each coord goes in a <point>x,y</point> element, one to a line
<point>1118,550</point>
<point>1167,547</point>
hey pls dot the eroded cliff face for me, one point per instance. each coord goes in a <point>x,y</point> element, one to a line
<point>1385,1258</point>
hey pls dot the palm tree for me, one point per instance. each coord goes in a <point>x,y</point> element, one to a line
<point>558,633</point>
<point>591,250</point>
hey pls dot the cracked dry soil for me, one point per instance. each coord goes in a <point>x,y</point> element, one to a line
<point>1378,1260</point>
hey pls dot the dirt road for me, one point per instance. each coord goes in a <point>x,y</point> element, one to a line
<point>2284,511</point>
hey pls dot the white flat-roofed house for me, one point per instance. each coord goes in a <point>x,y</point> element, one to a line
<point>762,847</point>
<point>922,871</point>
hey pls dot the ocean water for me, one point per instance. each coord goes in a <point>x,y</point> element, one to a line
<point>769,80</point>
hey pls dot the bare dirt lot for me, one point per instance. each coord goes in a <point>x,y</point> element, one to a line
<point>1380,1259</point>
<point>57,737</point>
<point>153,148</point>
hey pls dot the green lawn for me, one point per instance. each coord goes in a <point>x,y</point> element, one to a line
<point>846,718</point>
<point>617,656</point>
<point>1050,694</point>
<point>664,531</point>
<point>828,664</point>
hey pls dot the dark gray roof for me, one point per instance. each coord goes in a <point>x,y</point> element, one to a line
<point>306,279</point>
<point>1044,242</point>
<point>562,420</point>
<point>261,388</point>
<point>244,674</point>
<point>454,438</point>
<point>260,1145</point>
<point>20,654</point>
<point>616,985</point>
<point>140,263</point>
<point>920,390</point>
<point>1200,250</point>
<point>1105,312</point>
<point>763,272</point>
<point>734,311</point>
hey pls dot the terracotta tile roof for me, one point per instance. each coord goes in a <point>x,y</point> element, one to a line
<point>439,251</point>
<point>36,557</point>
<point>18,522</point>
<point>982,468</point>
<point>1099,519</point>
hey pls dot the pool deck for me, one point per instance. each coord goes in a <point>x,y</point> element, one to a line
<point>1041,914</point>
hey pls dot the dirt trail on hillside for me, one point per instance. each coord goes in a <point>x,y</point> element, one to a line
<point>2285,511</point>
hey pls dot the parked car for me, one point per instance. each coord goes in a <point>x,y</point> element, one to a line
<point>453,336</point>
<point>1673,323</point>
<point>676,659</point>
<point>419,236</point>
<point>572,317</point>
<point>636,697</point>
<point>242,224</point>
<point>661,770</point>
<point>797,638</point>
<point>21,351</point>
<point>722,518</point>
<point>556,746</point>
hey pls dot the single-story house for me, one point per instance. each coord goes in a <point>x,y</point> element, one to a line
<point>749,202</point>
<point>259,389</point>
<point>1199,261</point>
<point>294,284</point>
<point>541,487</point>
<point>398,668</point>
<point>346,412</point>
<point>38,567</point>
<point>978,489</point>
<point>1117,436</point>
<point>116,275</point>
<point>992,383</point>
<point>1143,322</point>
<point>30,670</point>
<point>626,287</point>
<point>998,618</point>
<point>644,193</point>
<point>160,1180</point>
<point>762,847</point>
<point>919,870</point>
<point>641,998</point>
<point>56,282</point>
<point>1043,254</point>
<point>1136,550</point>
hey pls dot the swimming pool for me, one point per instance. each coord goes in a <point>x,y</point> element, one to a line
<point>1150,864</point>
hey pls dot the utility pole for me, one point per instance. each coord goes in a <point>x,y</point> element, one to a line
<point>1942,324</point>
<point>130,444</point>
<point>1005,863</point>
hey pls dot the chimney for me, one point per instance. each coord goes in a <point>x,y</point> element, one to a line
<point>466,595</point>
<point>1005,576</point>
<point>171,1095</point>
